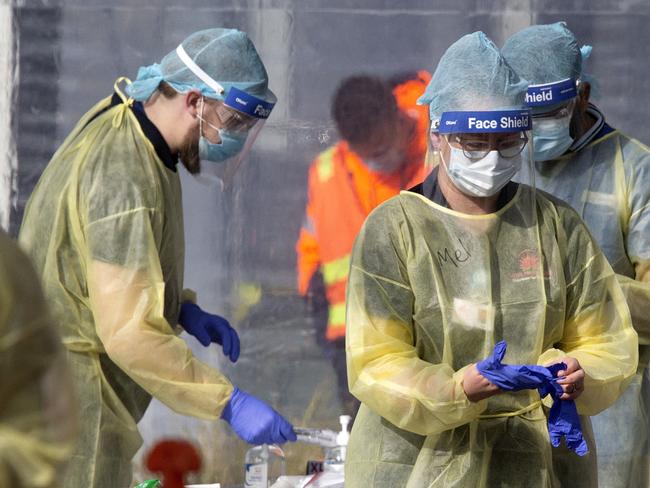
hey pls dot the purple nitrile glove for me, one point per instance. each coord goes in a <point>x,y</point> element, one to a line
<point>208,328</point>
<point>563,419</point>
<point>255,421</point>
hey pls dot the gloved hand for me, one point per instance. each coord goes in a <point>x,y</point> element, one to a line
<point>513,377</point>
<point>255,421</point>
<point>563,419</point>
<point>209,328</point>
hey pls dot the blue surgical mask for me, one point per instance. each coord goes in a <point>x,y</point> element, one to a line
<point>482,178</point>
<point>551,138</point>
<point>383,166</point>
<point>373,165</point>
<point>388,162</point>
<point>231,143</point>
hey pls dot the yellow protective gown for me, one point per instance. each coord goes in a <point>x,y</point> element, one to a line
<point>37,410</point>
<point>105,228</point>
<point>608,183</point>
<point>430,292</point>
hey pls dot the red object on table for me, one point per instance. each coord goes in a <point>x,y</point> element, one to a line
<point>173,459</point>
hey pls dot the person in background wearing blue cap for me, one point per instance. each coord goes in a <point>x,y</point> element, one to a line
<point>605,176</point>
<point>104,227</point>
<point>442,273</point>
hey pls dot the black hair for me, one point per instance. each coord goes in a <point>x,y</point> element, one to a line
<point>362,104</point>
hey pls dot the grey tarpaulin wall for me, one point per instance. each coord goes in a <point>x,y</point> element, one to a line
<point>59,57</point>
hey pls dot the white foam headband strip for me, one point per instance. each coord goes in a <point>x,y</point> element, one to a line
<point>196,69</point>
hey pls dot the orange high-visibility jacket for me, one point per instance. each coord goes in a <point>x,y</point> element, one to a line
<point>342,191</point>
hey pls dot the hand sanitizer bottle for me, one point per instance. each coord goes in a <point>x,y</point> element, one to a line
<point>335,456</point>
<point>263,466</point>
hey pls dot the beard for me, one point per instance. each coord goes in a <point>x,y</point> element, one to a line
<point>189,156</point>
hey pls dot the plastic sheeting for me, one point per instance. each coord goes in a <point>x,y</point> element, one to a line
<point>240,245</point>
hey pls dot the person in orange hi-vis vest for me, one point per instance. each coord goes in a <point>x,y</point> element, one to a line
<point>381,151</point>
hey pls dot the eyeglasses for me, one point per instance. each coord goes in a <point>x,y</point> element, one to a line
<point>232,120</point>
<point>559,113</point>
<point>476,149</point>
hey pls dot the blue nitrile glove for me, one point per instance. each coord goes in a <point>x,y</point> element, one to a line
<point>255,421</point>
<point>209,328</point>
<point>511,377</point>
<point>563,419</point>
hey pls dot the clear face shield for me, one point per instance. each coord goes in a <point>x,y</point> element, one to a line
<point>552,106</point>
<point>228,130</point>
<point>487,245</point>
<point>481,152</point>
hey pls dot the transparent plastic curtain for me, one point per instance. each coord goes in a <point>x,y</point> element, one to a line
<point>240,245</point>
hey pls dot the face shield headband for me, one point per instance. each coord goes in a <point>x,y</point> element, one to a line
<point>235,98</point>
<point>551,93</point>
<point>484,121</point>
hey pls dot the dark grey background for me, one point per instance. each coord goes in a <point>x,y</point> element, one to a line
<point>240,245</point>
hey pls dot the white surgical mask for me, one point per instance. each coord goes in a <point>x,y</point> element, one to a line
<point>551,137</point>
<point>482,178</point>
